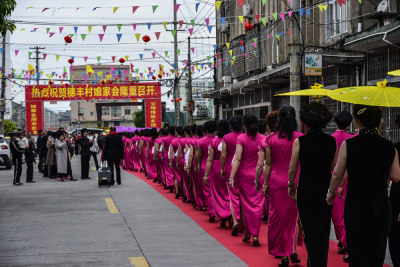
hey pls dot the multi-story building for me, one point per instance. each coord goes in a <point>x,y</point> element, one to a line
<point>65,119</point>
<point>357,42</point>
<point>51,119</point>
<point>102,113</point>
<point>18,115</point>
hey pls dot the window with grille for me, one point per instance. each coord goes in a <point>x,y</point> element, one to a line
<point>336,19</point>
<point>116,111</point>
<point>105,110</point>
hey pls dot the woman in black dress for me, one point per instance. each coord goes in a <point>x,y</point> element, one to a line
<point>316,153</point>
<point>394,234</point>
<point>370,160</point>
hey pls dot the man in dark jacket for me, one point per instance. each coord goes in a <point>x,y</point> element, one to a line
<point>85,145</point>
<point>17,153</point>
<point>43,168</point>
<point>30,159</point>
<point>113,153</point>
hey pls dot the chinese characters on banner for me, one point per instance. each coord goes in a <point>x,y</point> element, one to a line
<point>153,113</point>
<point>91,92</point>
<point>34,112</point>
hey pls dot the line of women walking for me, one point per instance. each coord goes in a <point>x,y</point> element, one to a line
<point>242,170</point>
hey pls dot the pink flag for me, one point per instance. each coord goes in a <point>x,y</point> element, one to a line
<point>16,52</point>
<point>192,49</point>
<point>154,55</point>
<point>207,21</point>
<point>269,35</point>
<point>290,13</point>
<point>85,58</point>
<point>288,32</point>
<point>104,28</point>
<point>181,23</point>
<point>157,34</point>
<point>113,58</point>
<point>61,29</point>
<point>190,31</point>
<point>240,3</point>
<point>134,27</point>
<point>113,69</point>
<point>44,56</point>
<point>177,7</point>
<point>51,34</point>
<point>134,8</point>
<point>255,45</point>
<point>101,37</point>
<point>44,9</point>
<point>282,15</point>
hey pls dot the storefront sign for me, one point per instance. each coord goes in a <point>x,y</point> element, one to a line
<point>313,64</point>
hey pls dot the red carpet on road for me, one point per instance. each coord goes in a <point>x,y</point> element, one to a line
<point>252,256</point>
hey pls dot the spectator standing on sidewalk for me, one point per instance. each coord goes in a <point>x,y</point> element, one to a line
<point>30,159</point>
<point>51,156</point>
<point>16,152</point>
<point>113,153</point>
<point>61,156</point>
<point>100,140</point>
<point>94,149</point>
<point>43,155</point>
<point>23,141</point>
<point>85,145</point>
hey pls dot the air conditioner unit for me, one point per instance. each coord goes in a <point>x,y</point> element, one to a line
<point>227,80</point>
<point>225,28</point>
<point>246,10</point>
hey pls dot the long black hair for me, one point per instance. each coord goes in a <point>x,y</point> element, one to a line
<point>153,134</point>
<point>179,131</point>
<point>250,122</point>
<point>200,132</point>
<point>287,123</point>
<point>223,128</point>
<point>164,131</point>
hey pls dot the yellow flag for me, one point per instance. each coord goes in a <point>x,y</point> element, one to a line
<point>218,4</point>
<point>165,24</point>
<point>31,69</point>
<point>89,28</point>
<point>100,73</point>
<point>323,7</point>
<point>57,57</point>
<point>115,9</point>
<point>227,45</point>
<point>233,62</point>
<point>241,19</point>
<point>137,36</point>
<point>109,77</point>
<point>89,69</point>
<point>126,58</point>
<point>230,52</point>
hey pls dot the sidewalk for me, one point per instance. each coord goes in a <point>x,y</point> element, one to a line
<point>52,223</point>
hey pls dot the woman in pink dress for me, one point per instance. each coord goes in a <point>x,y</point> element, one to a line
<point>142,151</point>
<point>219,187</point>
<point>343,120</point>
<point>124,138</point>
<point>193,170</point>
<point>134,154</point>
<point>283,213</point>
<point>251,200</point>
<point>169,173</point>
<point>209,127</point>
<point>228,151</point>
<point>182,151</point>
<point>128,158</point>
<point>158,156</point>
<point>150,154</point>
<point>173,161</point>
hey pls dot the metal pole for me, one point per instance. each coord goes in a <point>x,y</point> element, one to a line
<point>3,85</point>
<point>176,83</point>
<point>189,91</point>
<point>295,59</point>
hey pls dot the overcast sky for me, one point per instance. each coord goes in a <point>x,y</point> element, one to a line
<point>72,13</point>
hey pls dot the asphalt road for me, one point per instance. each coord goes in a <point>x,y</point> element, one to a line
<point>52,223</point>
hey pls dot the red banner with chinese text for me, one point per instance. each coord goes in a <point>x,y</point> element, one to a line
<point>90,92</point>
<point>153,113</point>
<point>34,111</point>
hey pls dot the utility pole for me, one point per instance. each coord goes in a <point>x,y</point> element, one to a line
<point>189,96</point>
<point>37,58</point>
<point>3,84</point>
<point>295,58</point>
<point>176,85</point>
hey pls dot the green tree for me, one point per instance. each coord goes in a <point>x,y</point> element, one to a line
<point>9,126</point>
<point>138,119</point>
<point>6,8</point>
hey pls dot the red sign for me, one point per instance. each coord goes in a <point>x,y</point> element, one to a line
<point>153,113</point>
<point>34,112</point>
<point>90,92</point>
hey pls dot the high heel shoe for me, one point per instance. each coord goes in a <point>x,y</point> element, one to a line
<point>343,250</point>
<point>223,223</point>
<point>212,220</point>
<point>346,259</point>
<point>294,258</point>
<point>246,238</point>
<point>256,242</point>
<point>235,230</point>
<point>284,262</point>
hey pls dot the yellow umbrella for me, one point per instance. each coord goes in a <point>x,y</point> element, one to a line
<point>316,91</point>
<point>378,95</point>
<point>394,73</point>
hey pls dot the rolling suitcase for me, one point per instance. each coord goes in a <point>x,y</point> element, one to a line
<point>104,175</point>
